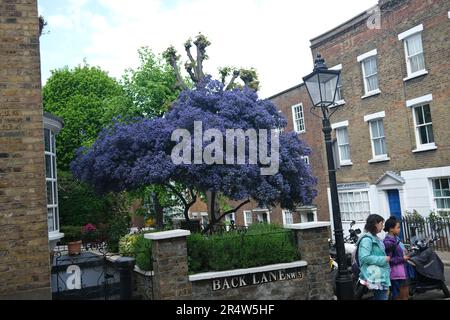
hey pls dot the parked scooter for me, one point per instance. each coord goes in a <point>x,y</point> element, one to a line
<point>428,269</point>
<point>350,247</point>
<point>349,243</point>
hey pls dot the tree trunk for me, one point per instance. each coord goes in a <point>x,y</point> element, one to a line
<point>159,213</point>
<point>211,197</point>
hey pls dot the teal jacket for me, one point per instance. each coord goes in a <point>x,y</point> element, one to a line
<point>372,261</point>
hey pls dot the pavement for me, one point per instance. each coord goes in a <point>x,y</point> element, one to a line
<point>445,257</point>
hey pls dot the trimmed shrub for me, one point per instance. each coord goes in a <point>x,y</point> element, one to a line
<point>143,252</point>
<point>127,245</point>
<point>262,244</point>
<point>136,246</point>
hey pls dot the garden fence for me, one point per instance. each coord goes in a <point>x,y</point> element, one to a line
<point>418,228</point>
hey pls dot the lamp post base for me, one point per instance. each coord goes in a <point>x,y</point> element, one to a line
<point>344,287</point>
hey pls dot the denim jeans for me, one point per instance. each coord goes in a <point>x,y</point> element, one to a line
<point>380,294</point>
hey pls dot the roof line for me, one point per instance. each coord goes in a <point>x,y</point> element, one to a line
<point>285,91</point>
<point>340,28</point>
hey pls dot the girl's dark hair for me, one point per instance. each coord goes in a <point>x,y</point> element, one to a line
<point>371,223</point>
<point>390,223</point>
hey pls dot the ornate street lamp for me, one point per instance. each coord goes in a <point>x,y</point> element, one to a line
<point>322,86</point>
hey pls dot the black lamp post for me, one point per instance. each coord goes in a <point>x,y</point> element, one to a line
<point>322,86</point>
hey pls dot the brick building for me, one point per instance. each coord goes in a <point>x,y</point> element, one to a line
<point>392,133</point>
<point>25,212</point>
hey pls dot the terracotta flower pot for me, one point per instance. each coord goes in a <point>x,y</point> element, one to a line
<point>74,248</point>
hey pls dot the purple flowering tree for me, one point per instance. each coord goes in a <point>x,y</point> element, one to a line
<point>128,156</point>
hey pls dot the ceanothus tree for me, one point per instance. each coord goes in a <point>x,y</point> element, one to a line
<point>127,156</point>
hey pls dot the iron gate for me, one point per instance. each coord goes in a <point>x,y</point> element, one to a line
<point>91,275</point>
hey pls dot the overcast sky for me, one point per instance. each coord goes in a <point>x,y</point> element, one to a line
<point>269,35</point>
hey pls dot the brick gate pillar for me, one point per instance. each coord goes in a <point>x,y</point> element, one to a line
<point>170,265</point>
<point>312,243</point>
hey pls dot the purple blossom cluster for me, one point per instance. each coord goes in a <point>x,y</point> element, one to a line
<point>127,156</point>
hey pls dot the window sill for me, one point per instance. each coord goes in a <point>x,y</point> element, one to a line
<point>372,93</point>
<point>425,148</point>
<point>337,104</point>
<point>375,160</point>
<point>416,75</point>
<point>55,235</point>
<point>346,163</point>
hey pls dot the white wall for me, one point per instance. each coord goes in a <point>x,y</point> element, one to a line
<point>419,190</point>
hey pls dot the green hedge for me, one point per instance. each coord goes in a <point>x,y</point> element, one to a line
<point>262,244</point>
<point>136,246</point>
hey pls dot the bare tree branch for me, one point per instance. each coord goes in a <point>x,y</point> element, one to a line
<point>233,210</point>
<point>188,66</point>
<point>172,58</point>
<point>236,74</point>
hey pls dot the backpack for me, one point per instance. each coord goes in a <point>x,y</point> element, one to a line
<point>355,264</point>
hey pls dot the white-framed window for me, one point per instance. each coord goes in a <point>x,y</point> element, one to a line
<point>378,139</point>
<point>298,116</point>
<point>377,136</point>
<point>370,72</point>
<point>51,181</point>
<point>248,218</point>
<point>441,193</point>
<point>263,217</point>
<point>308,214</point>
<point>370,75</point>
<point>354,205</point>
<point>339,94</point>
<point>288,217</point>
<point>339,99</point>
<point>343,142</point>
<point>415,61</point>
<point>423,125</point>
<point>306,159</point>
<point>230,219</point>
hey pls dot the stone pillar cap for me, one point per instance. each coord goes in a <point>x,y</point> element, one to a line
<point>308,225</point>
<point>167,234</point>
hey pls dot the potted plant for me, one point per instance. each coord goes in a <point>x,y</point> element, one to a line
<point>72,236</point>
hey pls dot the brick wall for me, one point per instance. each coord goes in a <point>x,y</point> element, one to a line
<point>24,253</point>
<point>295,281</point>
<point>344,47</point>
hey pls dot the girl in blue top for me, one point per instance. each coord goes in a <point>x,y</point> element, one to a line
<point>373,262</point>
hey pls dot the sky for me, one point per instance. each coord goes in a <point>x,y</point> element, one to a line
<point>273,36</point>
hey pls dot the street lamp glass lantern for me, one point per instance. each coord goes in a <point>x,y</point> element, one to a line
<point>322,84</point>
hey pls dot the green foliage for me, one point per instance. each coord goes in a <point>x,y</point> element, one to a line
<point>136,246</point>
<point>71,233</point>
<point>127,245</point>
<point>144,254</point>
<point>79,204</point>
<point>152,87</point>
<point>414,216</point>
<point>118,227</point>
<point>87,99</point>
<point>262,244</point>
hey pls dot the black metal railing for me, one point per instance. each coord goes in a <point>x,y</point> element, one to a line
<point>418,228</point>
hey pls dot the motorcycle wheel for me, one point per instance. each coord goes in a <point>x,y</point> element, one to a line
<point>445,290</point>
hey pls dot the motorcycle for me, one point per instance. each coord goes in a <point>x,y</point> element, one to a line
<point>428,269</point>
